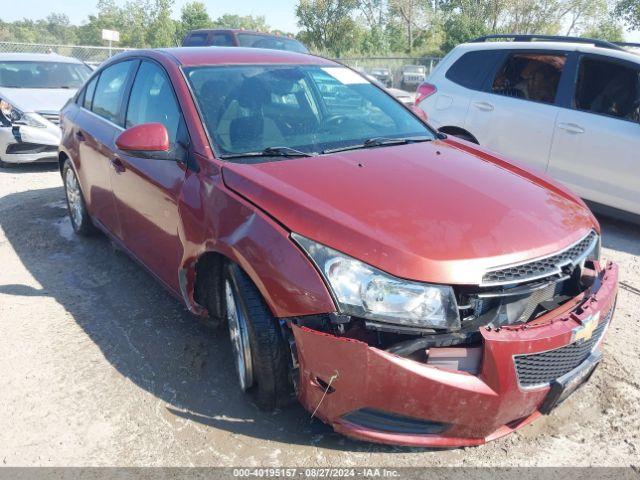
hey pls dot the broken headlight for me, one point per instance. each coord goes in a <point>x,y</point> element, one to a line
<point>13,116</point>
<point>364,291</point>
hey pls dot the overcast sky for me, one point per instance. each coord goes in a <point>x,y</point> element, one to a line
<point>279,13</point>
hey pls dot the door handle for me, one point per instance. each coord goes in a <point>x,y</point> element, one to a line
<point>571,127</point>
<point>80,135</point>
<point>485,106</point>
<point>118,165</point>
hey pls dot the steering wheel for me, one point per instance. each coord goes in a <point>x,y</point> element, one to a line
<point>334,121</point>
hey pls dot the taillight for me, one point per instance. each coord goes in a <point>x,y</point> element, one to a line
<point>425,90</point>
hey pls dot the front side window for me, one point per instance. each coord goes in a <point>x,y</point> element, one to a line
<point>43,74</point>
<point>530,76</point>
<point>309,108</point>
<point>108,97</point>
<point>152,100</point>
<point>608,88</point>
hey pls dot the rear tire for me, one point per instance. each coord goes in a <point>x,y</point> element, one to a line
<point>78,214</point>
<point>258,345</point>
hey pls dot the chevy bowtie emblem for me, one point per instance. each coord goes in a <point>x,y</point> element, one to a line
<point>585,331</point>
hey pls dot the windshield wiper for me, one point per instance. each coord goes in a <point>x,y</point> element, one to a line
<point>379,142</point>
<point>270,152</point>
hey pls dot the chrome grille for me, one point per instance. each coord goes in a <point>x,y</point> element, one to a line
<point>53,117</point>
<point>543,267</point>
<point>540,369</point>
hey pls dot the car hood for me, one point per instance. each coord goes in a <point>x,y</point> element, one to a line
<point>441,211</point>
<point>37,99</point>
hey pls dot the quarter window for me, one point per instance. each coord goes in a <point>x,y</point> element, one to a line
<point>472,68</point>
<point>87,100</point>
<point>108,97</point>
<point>152,100</point>
<point>530,76</point>
<point>608,88</point>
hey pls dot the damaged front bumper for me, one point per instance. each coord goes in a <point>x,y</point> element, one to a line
<point>26,144</point>
<point>370,394</point>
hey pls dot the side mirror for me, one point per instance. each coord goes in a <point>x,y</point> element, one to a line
<point>144,138</point>
<point>419,112</point>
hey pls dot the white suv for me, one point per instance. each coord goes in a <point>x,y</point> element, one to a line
<point>565,107</point>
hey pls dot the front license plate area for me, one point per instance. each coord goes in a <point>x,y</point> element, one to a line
<point>564,386</point>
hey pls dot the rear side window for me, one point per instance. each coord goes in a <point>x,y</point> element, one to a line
<point>108,97</point>
<point>87,100</point>
<point>196,39</point>
<point>530,76</point>
<point>472,68</point>
<point>152,100</point>
<point>608,88</point>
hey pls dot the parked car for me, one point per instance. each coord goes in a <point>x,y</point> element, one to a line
<point>383,75</point>
<point>412,76</point>
<point>562,106</point>
<point>241,38</point>
<point>406,98</point>
<point>407,288</point>
<point>33,89</point>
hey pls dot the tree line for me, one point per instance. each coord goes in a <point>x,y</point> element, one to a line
<point>345,27</point>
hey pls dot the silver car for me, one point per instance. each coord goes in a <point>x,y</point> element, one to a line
<point>33,89</point>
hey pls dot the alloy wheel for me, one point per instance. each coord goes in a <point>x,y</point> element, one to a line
<point>239,335</point>
<point>74,197</point>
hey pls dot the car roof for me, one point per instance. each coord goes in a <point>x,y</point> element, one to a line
<point>37,57</point>
<point>550,45</point>
<point>198,56</point>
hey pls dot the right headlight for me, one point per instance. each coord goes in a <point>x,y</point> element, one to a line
<point>367,292</point>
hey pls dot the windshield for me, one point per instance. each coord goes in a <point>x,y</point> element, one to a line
<point>308,108</point>
<point>255,40</point>
<point>43,74</point>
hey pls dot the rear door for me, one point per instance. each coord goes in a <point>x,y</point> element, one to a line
<point>515,115</point>
<point>96,126</point>
<point>147,189</point>
<point>597,140</point>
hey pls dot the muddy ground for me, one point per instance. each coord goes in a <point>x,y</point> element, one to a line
<point>100,366</point>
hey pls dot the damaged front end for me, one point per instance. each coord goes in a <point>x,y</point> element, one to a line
<point>401,383</point>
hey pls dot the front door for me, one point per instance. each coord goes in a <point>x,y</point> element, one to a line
<point>516,115</point>
<point>146,189</point>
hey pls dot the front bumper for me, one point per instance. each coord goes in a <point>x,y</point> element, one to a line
<point>26,144</point>
<point>466,409</point>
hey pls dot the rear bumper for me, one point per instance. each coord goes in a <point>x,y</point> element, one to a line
<point>470,409</point>
<point>29,144</point>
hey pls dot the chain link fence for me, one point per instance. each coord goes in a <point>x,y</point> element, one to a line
<point>392,71</point>
<point>397,72</point>
<point>88,54</point>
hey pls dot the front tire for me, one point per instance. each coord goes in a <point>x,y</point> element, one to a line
<point>80,219</point>
<point>261,355</point>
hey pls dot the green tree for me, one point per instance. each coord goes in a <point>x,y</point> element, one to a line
<point>246,22</point>
<point>327,24</point>
<point>162,30</point>
<point>193,16</point>
<point>629,11</point>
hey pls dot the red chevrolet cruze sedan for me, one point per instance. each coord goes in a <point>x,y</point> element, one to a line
<point>406,287</point>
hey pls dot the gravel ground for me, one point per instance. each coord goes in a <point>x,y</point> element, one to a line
<point>100,366</point>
